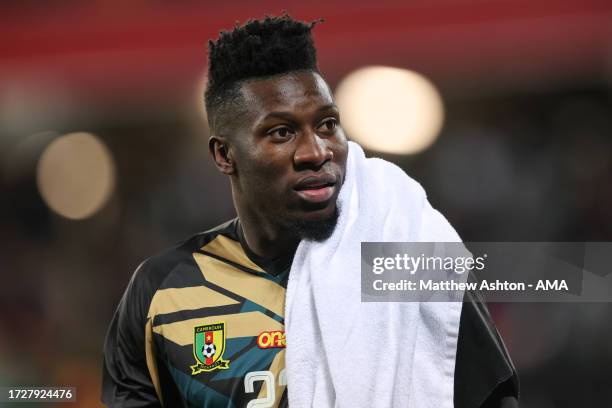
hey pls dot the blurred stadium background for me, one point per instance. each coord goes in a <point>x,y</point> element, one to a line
<point>501,109</point>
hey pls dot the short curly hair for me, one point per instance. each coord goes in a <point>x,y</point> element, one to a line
<point>258,49</point>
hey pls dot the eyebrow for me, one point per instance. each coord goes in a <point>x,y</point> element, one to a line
<point>288,115</point>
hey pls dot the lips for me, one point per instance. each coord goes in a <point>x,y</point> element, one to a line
<point>316,189</point>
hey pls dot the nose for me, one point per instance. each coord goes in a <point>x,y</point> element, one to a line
<point>312,151</point>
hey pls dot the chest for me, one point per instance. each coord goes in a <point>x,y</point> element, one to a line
<point>222,343</point>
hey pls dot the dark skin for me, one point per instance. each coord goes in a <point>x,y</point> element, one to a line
<point>285,153</point>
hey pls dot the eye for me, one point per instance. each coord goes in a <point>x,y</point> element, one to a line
<point>328,125</point>
<point>281,133</point>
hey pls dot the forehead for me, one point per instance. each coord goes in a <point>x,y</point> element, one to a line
<point>294,92</point>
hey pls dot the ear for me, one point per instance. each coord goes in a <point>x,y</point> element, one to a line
<point>221,155</point>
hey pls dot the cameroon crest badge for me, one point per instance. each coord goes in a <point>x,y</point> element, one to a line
<point>208,348</point>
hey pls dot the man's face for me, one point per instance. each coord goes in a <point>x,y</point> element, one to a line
<point>290,152</point>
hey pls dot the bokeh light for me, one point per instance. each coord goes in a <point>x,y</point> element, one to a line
<point>390,110</point>
<point>76,175</point>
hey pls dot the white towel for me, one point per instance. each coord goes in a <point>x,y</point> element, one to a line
<point>345,353</point>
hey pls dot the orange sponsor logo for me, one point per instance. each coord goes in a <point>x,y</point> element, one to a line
<point>271,339</point>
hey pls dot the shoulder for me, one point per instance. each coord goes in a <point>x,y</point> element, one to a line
<point>154,272</point>
<point>393,178</point>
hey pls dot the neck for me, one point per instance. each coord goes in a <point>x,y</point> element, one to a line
<point>264,237</point>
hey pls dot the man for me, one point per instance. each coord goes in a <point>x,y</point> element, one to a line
<point>202,324</point>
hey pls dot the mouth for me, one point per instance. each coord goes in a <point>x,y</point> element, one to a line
<point>316,189</point>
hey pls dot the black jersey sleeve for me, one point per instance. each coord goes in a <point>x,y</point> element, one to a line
<point>126,381</point>
<point>484,374</point>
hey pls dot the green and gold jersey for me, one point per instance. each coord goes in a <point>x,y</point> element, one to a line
<point>202,325</point>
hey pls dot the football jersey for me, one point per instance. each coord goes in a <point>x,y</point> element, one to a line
<point>202,325</point>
